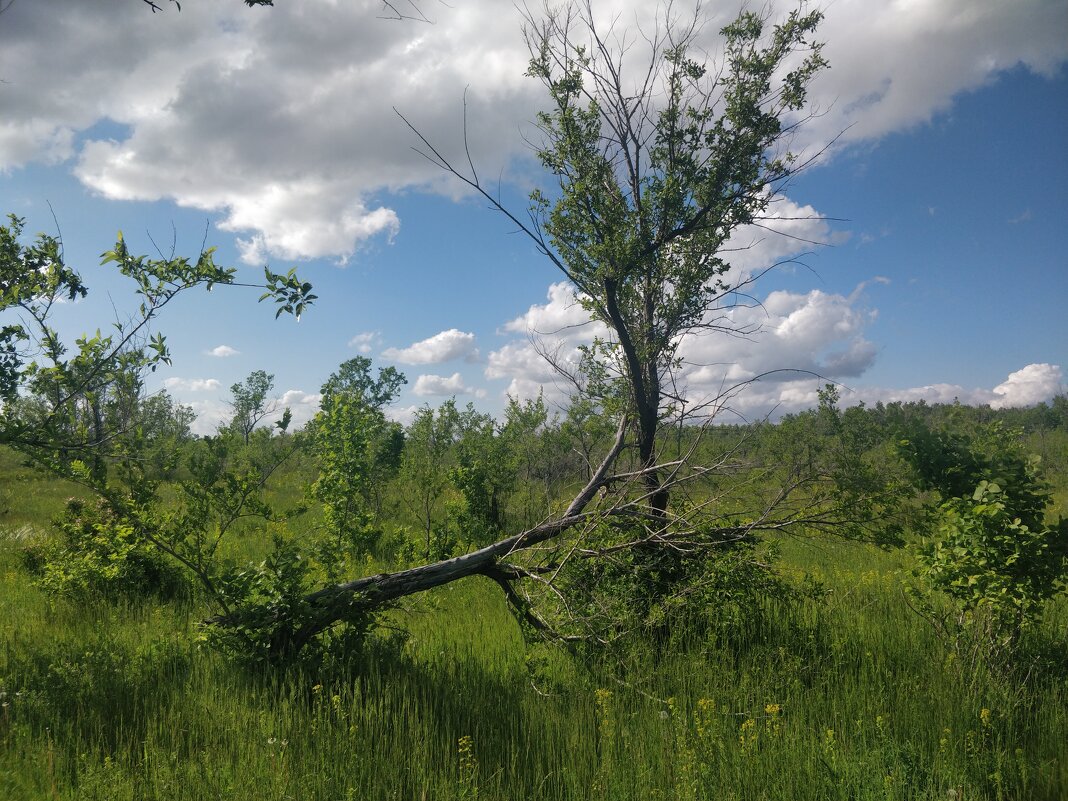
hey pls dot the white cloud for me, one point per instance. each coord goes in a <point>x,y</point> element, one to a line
<point>896,65</point>
<point>529,372</point>
<point>402,414</point>
<point>192,384</point>
<point>818,333</point>
<point>298,397</point>
<point>222,351</point>
<point>563,316</point>
<point>785,230</point>
<point>430,384</point>
<point>281,120</point>
<point>1028,386</point>
<point>366,342</point>
<point>302,405</point>
<point>443,347</point>
<point>555,328</point>
<point>1034,384</point>
<point>211,415</point>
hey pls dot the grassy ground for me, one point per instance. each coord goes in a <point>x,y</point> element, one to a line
<point>851,698</point>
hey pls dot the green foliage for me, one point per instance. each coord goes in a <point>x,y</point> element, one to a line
<point>291,294</point>
<point>112,701</point>
<point>619,593</point>
<point>162,430</point>
<point>952,462</point>
<point>991,553</point>
<point>32,278</point>
<point>484,475</point>
<point>457,471</point>
<point>988,560</point>
<point>63,405</point>
<point>97,682</point>
<point>271,597</point>
<point>345,440</point>
<point>652,183</point>
<point>250,403</point>
<point>353,379</point>
<point>101,557</point>
<point>843,468</point>
<point>357,449</point>
<point>428,457</point>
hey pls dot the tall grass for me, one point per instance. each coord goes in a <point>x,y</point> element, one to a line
<point>853,697</point>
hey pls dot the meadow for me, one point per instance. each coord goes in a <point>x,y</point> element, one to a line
<point>850,695</point>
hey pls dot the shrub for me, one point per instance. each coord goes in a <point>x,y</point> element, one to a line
<point>98,557</point>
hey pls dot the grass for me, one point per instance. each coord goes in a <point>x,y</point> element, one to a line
<point>851,698</point>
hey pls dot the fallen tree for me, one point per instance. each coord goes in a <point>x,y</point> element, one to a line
<point>654,177</point>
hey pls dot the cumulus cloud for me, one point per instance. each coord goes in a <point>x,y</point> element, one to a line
<point>402,414</point>
<point>366,342</point>
<point>554,329</point>
<point>1031,385</point>
<point>563,316</point>
<point>302,405</point>
<point>816,333</point>
<point>1028,386</point>
<point>1034,384</point>
<point>192,384</point>
<point>896,65</point>
<point>212,414</point>
<point>444,347</point>
<point>204,98</point>
<point>429,384</point>
<point>222,351</point>
<point>786,228</point>
<point>528,372</point>
<point>195,104</point>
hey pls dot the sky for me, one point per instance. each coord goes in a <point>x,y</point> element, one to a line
<point>930,262</point>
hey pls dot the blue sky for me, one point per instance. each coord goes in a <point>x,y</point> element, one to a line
<point>944,204</point>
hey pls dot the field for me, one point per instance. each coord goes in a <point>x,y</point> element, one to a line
<point>851,697</point>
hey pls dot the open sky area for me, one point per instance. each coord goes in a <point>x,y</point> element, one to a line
<point>926,248</point>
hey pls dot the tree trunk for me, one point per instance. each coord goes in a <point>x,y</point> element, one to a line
<point>336,603</point>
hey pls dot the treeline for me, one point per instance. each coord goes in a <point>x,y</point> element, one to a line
<point>455,477</point>
<point>351,489</point>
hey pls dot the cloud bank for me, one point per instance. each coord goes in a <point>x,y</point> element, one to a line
<point>191,107</point>
<point>793,343</point>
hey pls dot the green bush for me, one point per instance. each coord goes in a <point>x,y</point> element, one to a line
<point>991,560</point>
<point>98,557</point>
<point>997,568</point>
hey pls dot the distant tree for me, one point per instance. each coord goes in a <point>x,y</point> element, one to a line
<point>163,427</point>
<point>357,447</point>
<point>484,474</point>
<point>428,457</point>
<point>537,454</point>
<point>250,403</point>
<point>353,378</point>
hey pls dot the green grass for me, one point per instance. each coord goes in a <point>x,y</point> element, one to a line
<point>851,698</point>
